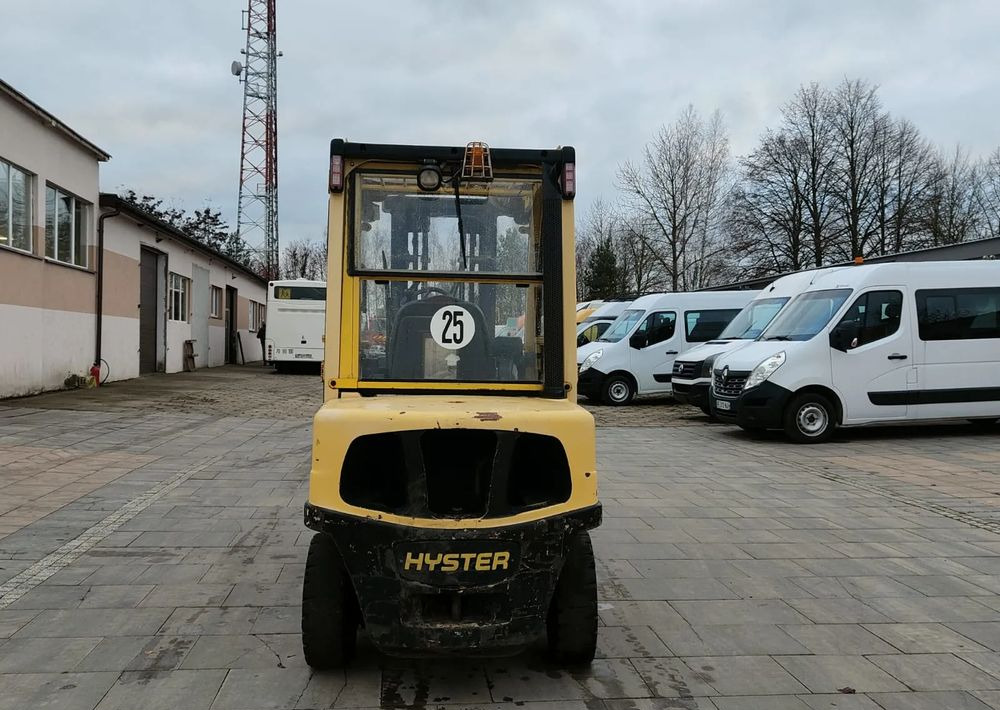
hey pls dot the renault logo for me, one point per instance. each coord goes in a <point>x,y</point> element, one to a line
<point>725,372</point>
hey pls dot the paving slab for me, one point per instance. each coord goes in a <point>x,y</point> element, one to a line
<point>735,572</point>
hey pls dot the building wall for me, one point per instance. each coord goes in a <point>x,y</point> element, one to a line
<point>47,321</point>
<point>124,236</point>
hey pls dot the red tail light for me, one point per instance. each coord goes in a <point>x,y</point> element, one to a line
<point>336,173</point>
<point>569,181</point>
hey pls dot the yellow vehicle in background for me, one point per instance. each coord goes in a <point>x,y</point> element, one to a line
<point>453,476</point>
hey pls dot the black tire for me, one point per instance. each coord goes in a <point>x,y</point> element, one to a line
<point>330,613</point>
<point>572,617</point>
<point>707,411</point>
<point>617,390</point>
<point>985,424</point>
<point>810,418</point>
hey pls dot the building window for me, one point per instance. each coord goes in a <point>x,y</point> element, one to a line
<point>15,207</point>
<point>66,220</point>
<point>256,315</point>
<point>180,287</point>
<point>216,307</point>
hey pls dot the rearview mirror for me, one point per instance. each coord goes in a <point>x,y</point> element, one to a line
<point>637,341</point>
<point>844,336</point>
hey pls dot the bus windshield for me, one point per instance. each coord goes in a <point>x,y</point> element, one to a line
<point>621,327</point>
<point>753,319</point>
<point>807,315</point>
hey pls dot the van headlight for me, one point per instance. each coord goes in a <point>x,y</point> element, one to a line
<point>764,370</point>
<point>591,359</point>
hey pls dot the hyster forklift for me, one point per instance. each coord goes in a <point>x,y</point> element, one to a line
<point>453,478</point>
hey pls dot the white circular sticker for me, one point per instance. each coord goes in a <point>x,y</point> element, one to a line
<point>452,327</point>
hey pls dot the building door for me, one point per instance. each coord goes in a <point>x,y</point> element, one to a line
<point>230,325</point>
<point>148,310</point>
<point>200,304</point>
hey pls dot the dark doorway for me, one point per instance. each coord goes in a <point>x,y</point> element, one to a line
<point>230,325</point>
<point>148,310</point>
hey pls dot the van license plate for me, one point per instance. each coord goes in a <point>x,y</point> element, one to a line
<point>305,356</point>
<point>723,405</point>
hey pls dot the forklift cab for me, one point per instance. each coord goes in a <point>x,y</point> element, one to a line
<point>453,475</point>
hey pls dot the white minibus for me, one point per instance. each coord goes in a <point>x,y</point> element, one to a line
<point>597,322</point>
<point>693,370</point>
<point>635,356</point>
<point>295,321</point>
<point>871,344</point>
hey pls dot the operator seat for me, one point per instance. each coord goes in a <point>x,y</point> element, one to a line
<point>412,328</point>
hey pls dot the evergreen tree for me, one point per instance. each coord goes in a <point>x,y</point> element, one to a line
<point>602,278</point>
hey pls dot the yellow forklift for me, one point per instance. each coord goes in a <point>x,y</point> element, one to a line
<point>454,478</point>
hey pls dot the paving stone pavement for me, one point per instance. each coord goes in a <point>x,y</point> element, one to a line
<point>151,556</point>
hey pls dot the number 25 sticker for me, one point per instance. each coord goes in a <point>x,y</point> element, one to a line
<point>452,327</point>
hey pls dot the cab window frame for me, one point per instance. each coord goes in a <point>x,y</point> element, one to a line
<point>507,164</point>
<point>643,328</point>
<point>865,324</point>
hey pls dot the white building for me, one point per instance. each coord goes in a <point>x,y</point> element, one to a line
<point>159,287</point>
<point>162,288</point>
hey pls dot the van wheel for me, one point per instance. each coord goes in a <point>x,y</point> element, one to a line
<point>329,610</point>
<point>617,390</point>
<point>810,418</point>
<point>572,617</point>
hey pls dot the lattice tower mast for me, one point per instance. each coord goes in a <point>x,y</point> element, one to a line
<point>257,209</point>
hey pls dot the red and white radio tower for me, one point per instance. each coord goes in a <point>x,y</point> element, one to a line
<point>257,209</point>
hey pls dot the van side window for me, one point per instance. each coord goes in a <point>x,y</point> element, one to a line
<point>658,327</point>
<point>702,326</point>
<point>958,313</point>
<point>875,315</point>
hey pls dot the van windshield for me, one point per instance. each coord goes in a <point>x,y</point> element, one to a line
<point>807,315</point>
<point>751,321</point>
<point>621,327</point>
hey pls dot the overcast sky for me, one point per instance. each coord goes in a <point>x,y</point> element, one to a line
<point>150,82</point>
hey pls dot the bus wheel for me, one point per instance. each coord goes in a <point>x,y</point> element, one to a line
<point>572,617</point>
<point>617,390</point>
<point>329,610</point>
<point>810,418</point>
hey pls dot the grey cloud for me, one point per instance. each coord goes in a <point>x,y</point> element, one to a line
<point>150,82</point>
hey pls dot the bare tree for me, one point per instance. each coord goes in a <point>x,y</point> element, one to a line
<point>678,188</point>
<point>770,219</point>
<point>953,213</point>
<point>304,259</point>
<point>858,126</point>
<point>639,267</point>
<point>988,195</point>
<point>807,121</point>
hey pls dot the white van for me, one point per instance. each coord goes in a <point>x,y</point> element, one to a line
<point>636,353</point>
<point>594,325</point>
<point>692,375</point>
<point>871,344</point>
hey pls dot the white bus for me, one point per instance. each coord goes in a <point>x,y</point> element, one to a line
<point>296,317</point>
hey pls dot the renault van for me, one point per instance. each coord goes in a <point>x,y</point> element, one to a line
<point>871,344</point>
<point>635,356</point>
<point>692,375</point>
<point>597,322</point>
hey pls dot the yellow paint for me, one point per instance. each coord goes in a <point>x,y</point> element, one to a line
<point>341,421</point>
<point>346,416</point>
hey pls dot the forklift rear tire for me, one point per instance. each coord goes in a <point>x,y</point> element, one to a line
<point>572,618</point>
<point>329,610</point>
